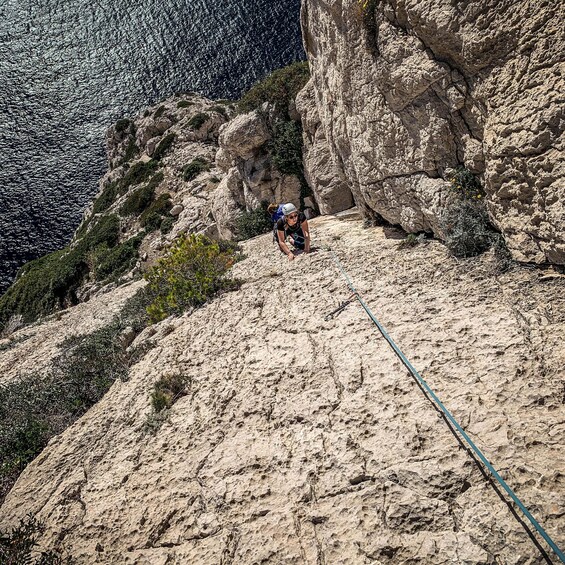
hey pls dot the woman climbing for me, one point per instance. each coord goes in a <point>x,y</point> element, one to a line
<point>294,226</point>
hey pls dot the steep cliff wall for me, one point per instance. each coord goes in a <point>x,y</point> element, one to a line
<point>301,440</point>
<point>401,91</point>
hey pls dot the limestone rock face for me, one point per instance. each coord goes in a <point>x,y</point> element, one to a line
<point>324,176</point>
<point>404,90</point>
<point>302,440</point>
<point>244,135</point>
<point>243,146</point>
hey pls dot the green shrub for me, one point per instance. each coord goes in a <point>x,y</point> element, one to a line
<point>467,229</point>
<point>184,104</point>
<point>198,120</point>
<point>138,201</point>
<point>192,272</point>
<point>36,408</point>
<point>220,110</point>
<point>253,222</point>
<point>50,282</point>
<point>466,185</point>
<point>123,125</point>
<point>367,9</point>
<point>138,173</point>
<point>465,222</point>
<point>159,112</point>
<point>286,147</point>
<point>167,224</point>
<point>131,151</point>
<point>412,240</point>
<point>112,263</point>
<point>106,199</point>
<point>167,390</point>
<point>164,146</point>
<point>194,168</point>
<point>18,547</point>
<point>278,88</point>
<point>151,218</point>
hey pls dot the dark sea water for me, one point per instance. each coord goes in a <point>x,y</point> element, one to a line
<point>69,68</point>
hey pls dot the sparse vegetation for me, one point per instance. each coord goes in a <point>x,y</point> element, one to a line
<point>193,271</point>
<point>50,282</point>
<point>112,263</point>
<point>159,112</point>
<point>106,199</point>
<point>18,546</point>
<point>465,222</point>
<point>367,11</point>
<point>123,125</point>
<point>131,151</point>
<point>138,173</point>
<point>253,222</point>
<point>194,168</point>
<point>220,110</point>
<point>412,240</point>
<point>167,390</point>
<point>286,148</point>
<point>164,146</point>
<point>278,89</point>
<point>140,199</point>
<point>167,224</point>
<point>152,217</point>
<point>184,104</point>
<point>198,120</point>
<point>35,408</point>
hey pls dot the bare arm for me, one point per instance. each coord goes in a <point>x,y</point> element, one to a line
<point>284,246</point>
<point>306,232</point>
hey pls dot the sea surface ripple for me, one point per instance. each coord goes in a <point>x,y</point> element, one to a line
<point>70,68</point>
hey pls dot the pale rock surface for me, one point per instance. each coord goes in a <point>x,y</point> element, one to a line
<point>302,440</point>
<point>427,86</point>
<point>325,178</point>
<point>243,146</point>
<point>37,345</point>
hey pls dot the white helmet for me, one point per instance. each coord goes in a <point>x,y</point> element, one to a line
<point>288,208</point>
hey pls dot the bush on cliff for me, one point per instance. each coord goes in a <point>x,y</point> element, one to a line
<point>193,271</point>
<point>138,173</point>
<point>465,222</point>
<point>198,120</point>
<point>253,222</point>
<point>50,282</point>
<point>18,546</point>
<point>36,408</point>
<point>194,168</point>
<point>278,89</point>
<point>164,146</point>
<point>286,148</point>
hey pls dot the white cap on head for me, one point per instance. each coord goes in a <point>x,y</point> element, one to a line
<point>289,208</point>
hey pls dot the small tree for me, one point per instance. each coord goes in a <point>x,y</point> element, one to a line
<point>194,270</point>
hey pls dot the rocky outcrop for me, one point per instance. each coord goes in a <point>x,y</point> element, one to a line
<point>327,180</point>
<point>303,440</point>
<point>252,179</point>
<point>401,91</point>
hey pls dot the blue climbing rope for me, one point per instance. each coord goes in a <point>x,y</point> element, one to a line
<point>448,414</point>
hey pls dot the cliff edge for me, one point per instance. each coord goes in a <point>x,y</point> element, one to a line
<point>300,440</point>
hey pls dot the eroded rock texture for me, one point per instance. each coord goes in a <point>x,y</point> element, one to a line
<point>303,440</point>
<point>402,90</point>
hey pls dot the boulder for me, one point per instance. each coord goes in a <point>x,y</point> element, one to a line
<point>244,135</point>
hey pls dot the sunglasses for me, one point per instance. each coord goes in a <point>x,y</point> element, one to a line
<point>292,216</point>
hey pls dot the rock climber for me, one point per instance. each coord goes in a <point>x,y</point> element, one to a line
<point>294,226</point>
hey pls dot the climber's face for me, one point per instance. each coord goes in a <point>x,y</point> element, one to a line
<point>292,218</point>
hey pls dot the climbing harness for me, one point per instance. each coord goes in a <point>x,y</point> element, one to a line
<point>446,413</point>
<point>340,308</point>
